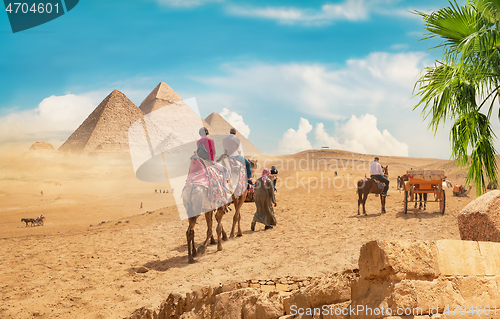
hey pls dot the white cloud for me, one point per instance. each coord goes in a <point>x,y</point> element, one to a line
<point>362,135</point>
<point>294,141</point>
<point>352,10</point>
<point>55,118</point>
<point>380,84</point>
<point>359,135</point>
<point>379,80</point>
<point>185,3</point>
<point>349,10</point>
<point>236,121</point>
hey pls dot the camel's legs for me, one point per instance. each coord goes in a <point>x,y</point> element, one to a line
<point>208,218</point>
<point>218,217</point>
<point>237,216</point>
<point>190,239</point>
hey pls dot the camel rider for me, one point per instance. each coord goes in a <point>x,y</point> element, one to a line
<point>378,175</point>
<point>210,147</point>
<point>232,145</point>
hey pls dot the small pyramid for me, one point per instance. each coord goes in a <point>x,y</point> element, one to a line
<point>106,128</point>
<point>219,126</point>
<point>162,95</point>
<point>42,146</point>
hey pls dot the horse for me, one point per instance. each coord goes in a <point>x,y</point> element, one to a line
<point>30,221</point>
<point>402,186</point>
<point>369,186</point>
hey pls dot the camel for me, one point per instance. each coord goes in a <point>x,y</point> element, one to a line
<point>239,194</point>
<point>194,198</point>
<point>369,186</point>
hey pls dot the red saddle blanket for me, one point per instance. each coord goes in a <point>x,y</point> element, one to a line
<point>202,172</point>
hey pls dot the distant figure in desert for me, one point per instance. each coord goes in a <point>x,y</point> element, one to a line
<point>41,192</point>
<point>141,204</point>
<point>155,190</point>
<point>264,201</point>
<point>232,145</point>
<point>378,175</point>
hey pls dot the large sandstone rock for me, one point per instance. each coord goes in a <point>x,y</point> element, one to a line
<point>248,303</point>
<point>332,289</point>
<point>480,219</point>
<point>426,275</point>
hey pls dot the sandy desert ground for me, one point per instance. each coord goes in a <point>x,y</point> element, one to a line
<point>82,263</point>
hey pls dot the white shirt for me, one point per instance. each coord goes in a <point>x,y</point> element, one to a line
<point>376,169</point>
<point>232,145</point>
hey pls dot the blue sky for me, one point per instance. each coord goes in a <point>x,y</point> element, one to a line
<point>295,75</point>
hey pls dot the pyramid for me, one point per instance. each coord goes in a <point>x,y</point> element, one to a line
<point>220,127</point>
<point>169,112</point>
<point>161,96</point>
<point>106,128</point>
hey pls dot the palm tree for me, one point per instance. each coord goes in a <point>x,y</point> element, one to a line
<point>464,85</point>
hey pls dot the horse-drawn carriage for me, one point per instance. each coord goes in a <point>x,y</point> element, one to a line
<point>424,181</point>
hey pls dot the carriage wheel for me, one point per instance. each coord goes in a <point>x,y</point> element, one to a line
<point>406,201</point>
<point>442,202</point>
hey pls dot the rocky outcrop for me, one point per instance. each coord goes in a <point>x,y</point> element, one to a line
<point>480,219</point>
<point>219,302</point>
<point>401,279</point>
<point>425,277</point>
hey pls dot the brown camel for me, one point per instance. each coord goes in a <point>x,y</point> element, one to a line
<point>369,186</point>
<point>192,252</point>
<point>237,202</point>
<point>194,197</point>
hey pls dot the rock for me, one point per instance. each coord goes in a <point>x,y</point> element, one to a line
<point>248,303</point>
<point>142,270</point>
<point>329,290</point>
<point>480,219</point>
<point>418,275</point>
<point>142,313</point>
<point>382,258</point>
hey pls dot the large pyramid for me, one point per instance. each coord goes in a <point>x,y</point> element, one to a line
<point>106,128</point>
<point>169,120</point>
<point>161,96</point>
<point>220,127</point>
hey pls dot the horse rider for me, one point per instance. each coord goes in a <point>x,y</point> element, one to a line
<point>232,145</point>
<point>378,175</point>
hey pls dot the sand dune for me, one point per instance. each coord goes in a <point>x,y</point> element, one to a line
<point>82,263</point>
